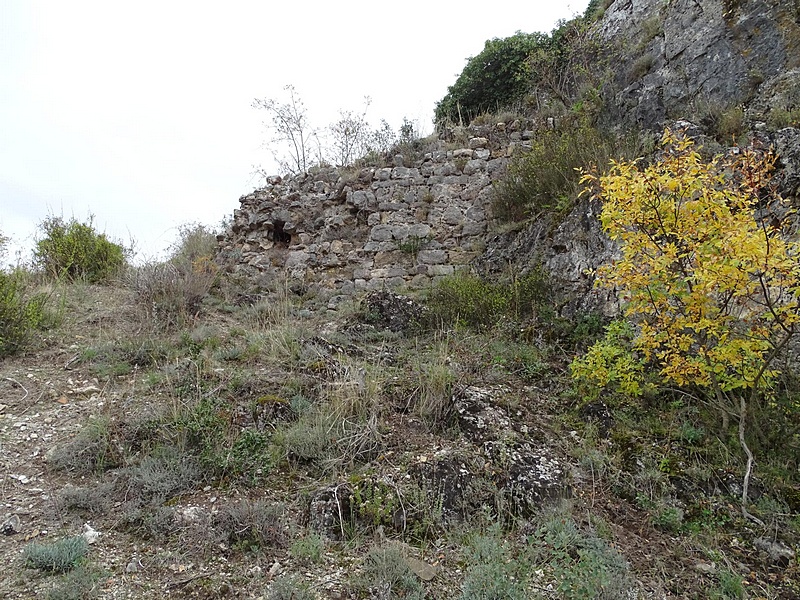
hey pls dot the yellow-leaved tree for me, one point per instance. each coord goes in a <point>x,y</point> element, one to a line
<point>707,274</point>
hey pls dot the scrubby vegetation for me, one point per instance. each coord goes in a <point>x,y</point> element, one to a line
<point>75,250</point>
<point>247,421</point>
<point>233,439</point>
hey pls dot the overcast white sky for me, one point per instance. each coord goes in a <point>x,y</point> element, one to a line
<point>140,112</point>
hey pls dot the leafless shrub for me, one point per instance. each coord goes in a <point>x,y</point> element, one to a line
<point>252,525</point>
<point>171,293</point>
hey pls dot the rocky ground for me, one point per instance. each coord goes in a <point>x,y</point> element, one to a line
<point>195,465</point>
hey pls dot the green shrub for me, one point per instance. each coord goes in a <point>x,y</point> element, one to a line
<point>308,548</point>
<point>493,571</point>
<point>547,178</point>
<point>171,293</point>
<point>20,316</point>
<point>493,79</point>
<point>93,450</point>
<point>385,574</point>
<point>76,251</point>
<point>471,301</point>
<point>161,476</point>
<point>79,584</point>
<point>289,588</point>
<point>252,525</point>
<point>584,565</point>
<point>57,557</point>
<point>195,242</point>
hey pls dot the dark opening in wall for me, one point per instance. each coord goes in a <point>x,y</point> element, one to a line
<point>279,236</point>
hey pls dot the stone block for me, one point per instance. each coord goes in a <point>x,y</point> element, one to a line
<point>297,258</point>
<point>478,142</point>
<point>453,215</point>
<point>432,257</point>
<point>440,270</point>
<point>380,233</point>
<point>473,166</point>
<point>471,228</point>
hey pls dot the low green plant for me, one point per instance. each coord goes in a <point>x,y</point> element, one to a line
<point>494,572</point>
<point>668,518</point>
<point>171,293</point>
<point>21,314</point>
<point>308,548</point>
<point>160,476</point>
<point>780,117</point>
<point>93,450</point>
<point>252,525</point>
<point>583,565</point>
<point>288,587</point>
<point>469,300</point>
<point>385,574</point>
<point>92,499</point>
<point>729,586</point>
<point>434,379</point>
<point>59,556</point>
<point>641,66</point>
<point>77,251</point>
<point>412,245</point>
<point>81,583</point>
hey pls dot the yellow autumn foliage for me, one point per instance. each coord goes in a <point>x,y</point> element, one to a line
<point>706,271</point>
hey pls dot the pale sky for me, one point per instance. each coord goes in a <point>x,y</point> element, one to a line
<point>140,112</point>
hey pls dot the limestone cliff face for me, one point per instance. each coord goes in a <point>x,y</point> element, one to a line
<point>423,218</point>
<point>678,56</point>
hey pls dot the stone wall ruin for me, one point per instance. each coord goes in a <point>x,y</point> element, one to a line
<point>401,226</point>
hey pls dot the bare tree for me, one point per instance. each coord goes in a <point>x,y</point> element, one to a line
<point>350,135</point>
<point>289,122</point>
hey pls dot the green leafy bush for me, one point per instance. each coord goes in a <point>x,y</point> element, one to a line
<point>471,301</point>
<point>76,251</point>
<point>19,316</point>
<point>495,78</point>
<point>57,557</point>
<point>547,178</point>
<point>612,362</point>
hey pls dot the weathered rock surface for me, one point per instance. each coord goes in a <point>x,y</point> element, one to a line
<point>699,52</point>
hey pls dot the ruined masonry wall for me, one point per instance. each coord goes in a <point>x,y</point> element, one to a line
<point>391,227</point>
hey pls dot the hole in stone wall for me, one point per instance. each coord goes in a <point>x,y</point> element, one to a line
<point>279,235</point>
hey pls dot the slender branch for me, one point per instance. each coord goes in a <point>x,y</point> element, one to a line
<point>12,380</point>
<point>749,468</point>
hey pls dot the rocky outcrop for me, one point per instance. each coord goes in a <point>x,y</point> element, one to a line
<point>683,56</point>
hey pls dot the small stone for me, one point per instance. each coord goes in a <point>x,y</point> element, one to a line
<point>274,569</point>
<point>421,569</point>
<point>705,568</point>
<point>778,552</point>
<point>90,534</point>
<point>11,526</point>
